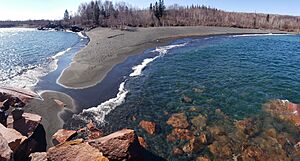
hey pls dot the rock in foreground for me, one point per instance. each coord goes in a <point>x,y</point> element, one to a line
<point>76,150</point>
<point>121,145</point>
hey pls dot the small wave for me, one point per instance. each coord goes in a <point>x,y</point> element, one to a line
<point>137,70</point>
<point>27,79</point>
<point>81,35</point>
<point>98,113</point>
<point>60,53</point>
<point>252,35</point>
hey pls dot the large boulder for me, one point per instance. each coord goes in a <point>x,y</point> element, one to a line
<point>5,151</point>
<point>25,125</point>
<point>35,143</point>
<point>178,120</point>
<point>63,135</point>
<point>76,150</point>
<point>13,137</point>
<point>121,145</point>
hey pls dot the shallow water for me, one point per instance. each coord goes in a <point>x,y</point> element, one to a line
<point>228,78</point>
<point>27,54</point>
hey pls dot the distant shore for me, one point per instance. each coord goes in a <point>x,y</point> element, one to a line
<point>109,47</point>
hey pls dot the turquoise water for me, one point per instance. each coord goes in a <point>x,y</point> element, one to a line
<point>27,54</point>
<point>236,74</point>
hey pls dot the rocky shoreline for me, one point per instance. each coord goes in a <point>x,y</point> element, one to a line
<point>23,137</point>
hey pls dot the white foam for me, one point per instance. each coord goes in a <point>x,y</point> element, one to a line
<point>253,35</point>
<point>60,53</point>
<point>81,35</point>
<point>137,70</point>
<point>99,112</point>
<point>25,80</point>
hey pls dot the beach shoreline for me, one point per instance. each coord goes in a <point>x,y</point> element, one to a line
<point>90,66</point>
<point>109,47</point>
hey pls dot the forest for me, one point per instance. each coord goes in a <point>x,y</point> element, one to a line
<point>120,14</point>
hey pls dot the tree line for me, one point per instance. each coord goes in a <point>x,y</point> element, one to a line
<point>120,14</point>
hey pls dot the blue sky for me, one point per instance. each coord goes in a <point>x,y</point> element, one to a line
<point>53,9</point>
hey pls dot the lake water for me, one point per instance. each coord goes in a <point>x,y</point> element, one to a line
<point>27,54</point>
<point>236,74</point>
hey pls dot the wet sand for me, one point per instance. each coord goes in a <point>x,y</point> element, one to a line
<point>51,111</point>
<point>109,47</point>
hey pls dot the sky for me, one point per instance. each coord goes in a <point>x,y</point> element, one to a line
<point>54,9</point>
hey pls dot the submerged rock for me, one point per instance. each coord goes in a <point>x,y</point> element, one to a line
<point>148,126</point>
<point>284,110</point>
<point>143,142</point>
<point>202,159</point>
<point>181,134</point>
<point>199,122</point>
<point>177,151</point>
<point>63,135</point>
<point>178,120</point>
<point>186,99</point>
<point>76,150</point>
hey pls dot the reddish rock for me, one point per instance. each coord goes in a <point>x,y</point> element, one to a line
<point>121,145</point>
<point>178,120</point>
<point>284,110</point>
<point>75,150</point>
<point>91,126</point>
<point>297,145</point>
<point>143,142</point>
<point>181,134</point>
<point>148,126</point>
<point>95,134</point>
<point>13,137</point>
<point>202,138</point>
<point>26,125</point>
<point>202,159</point>
<point>5,151</point>
<point>252,152</point>
<point>93,131</point>
<point>171,138</point>
<point>216,131</point>
<point>194,145</point>
<point>221,149</point>
<point>177,151</point>
<point>249,126</point>
<point>63,135</point>
<point>38,156</point>
<point>272,133</point>
<point>59,103</point>
<point>199,122</point>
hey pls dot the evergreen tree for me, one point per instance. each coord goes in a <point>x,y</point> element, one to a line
<point>268,18</point>
<point>96,11</point>
<point>66,15</point>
